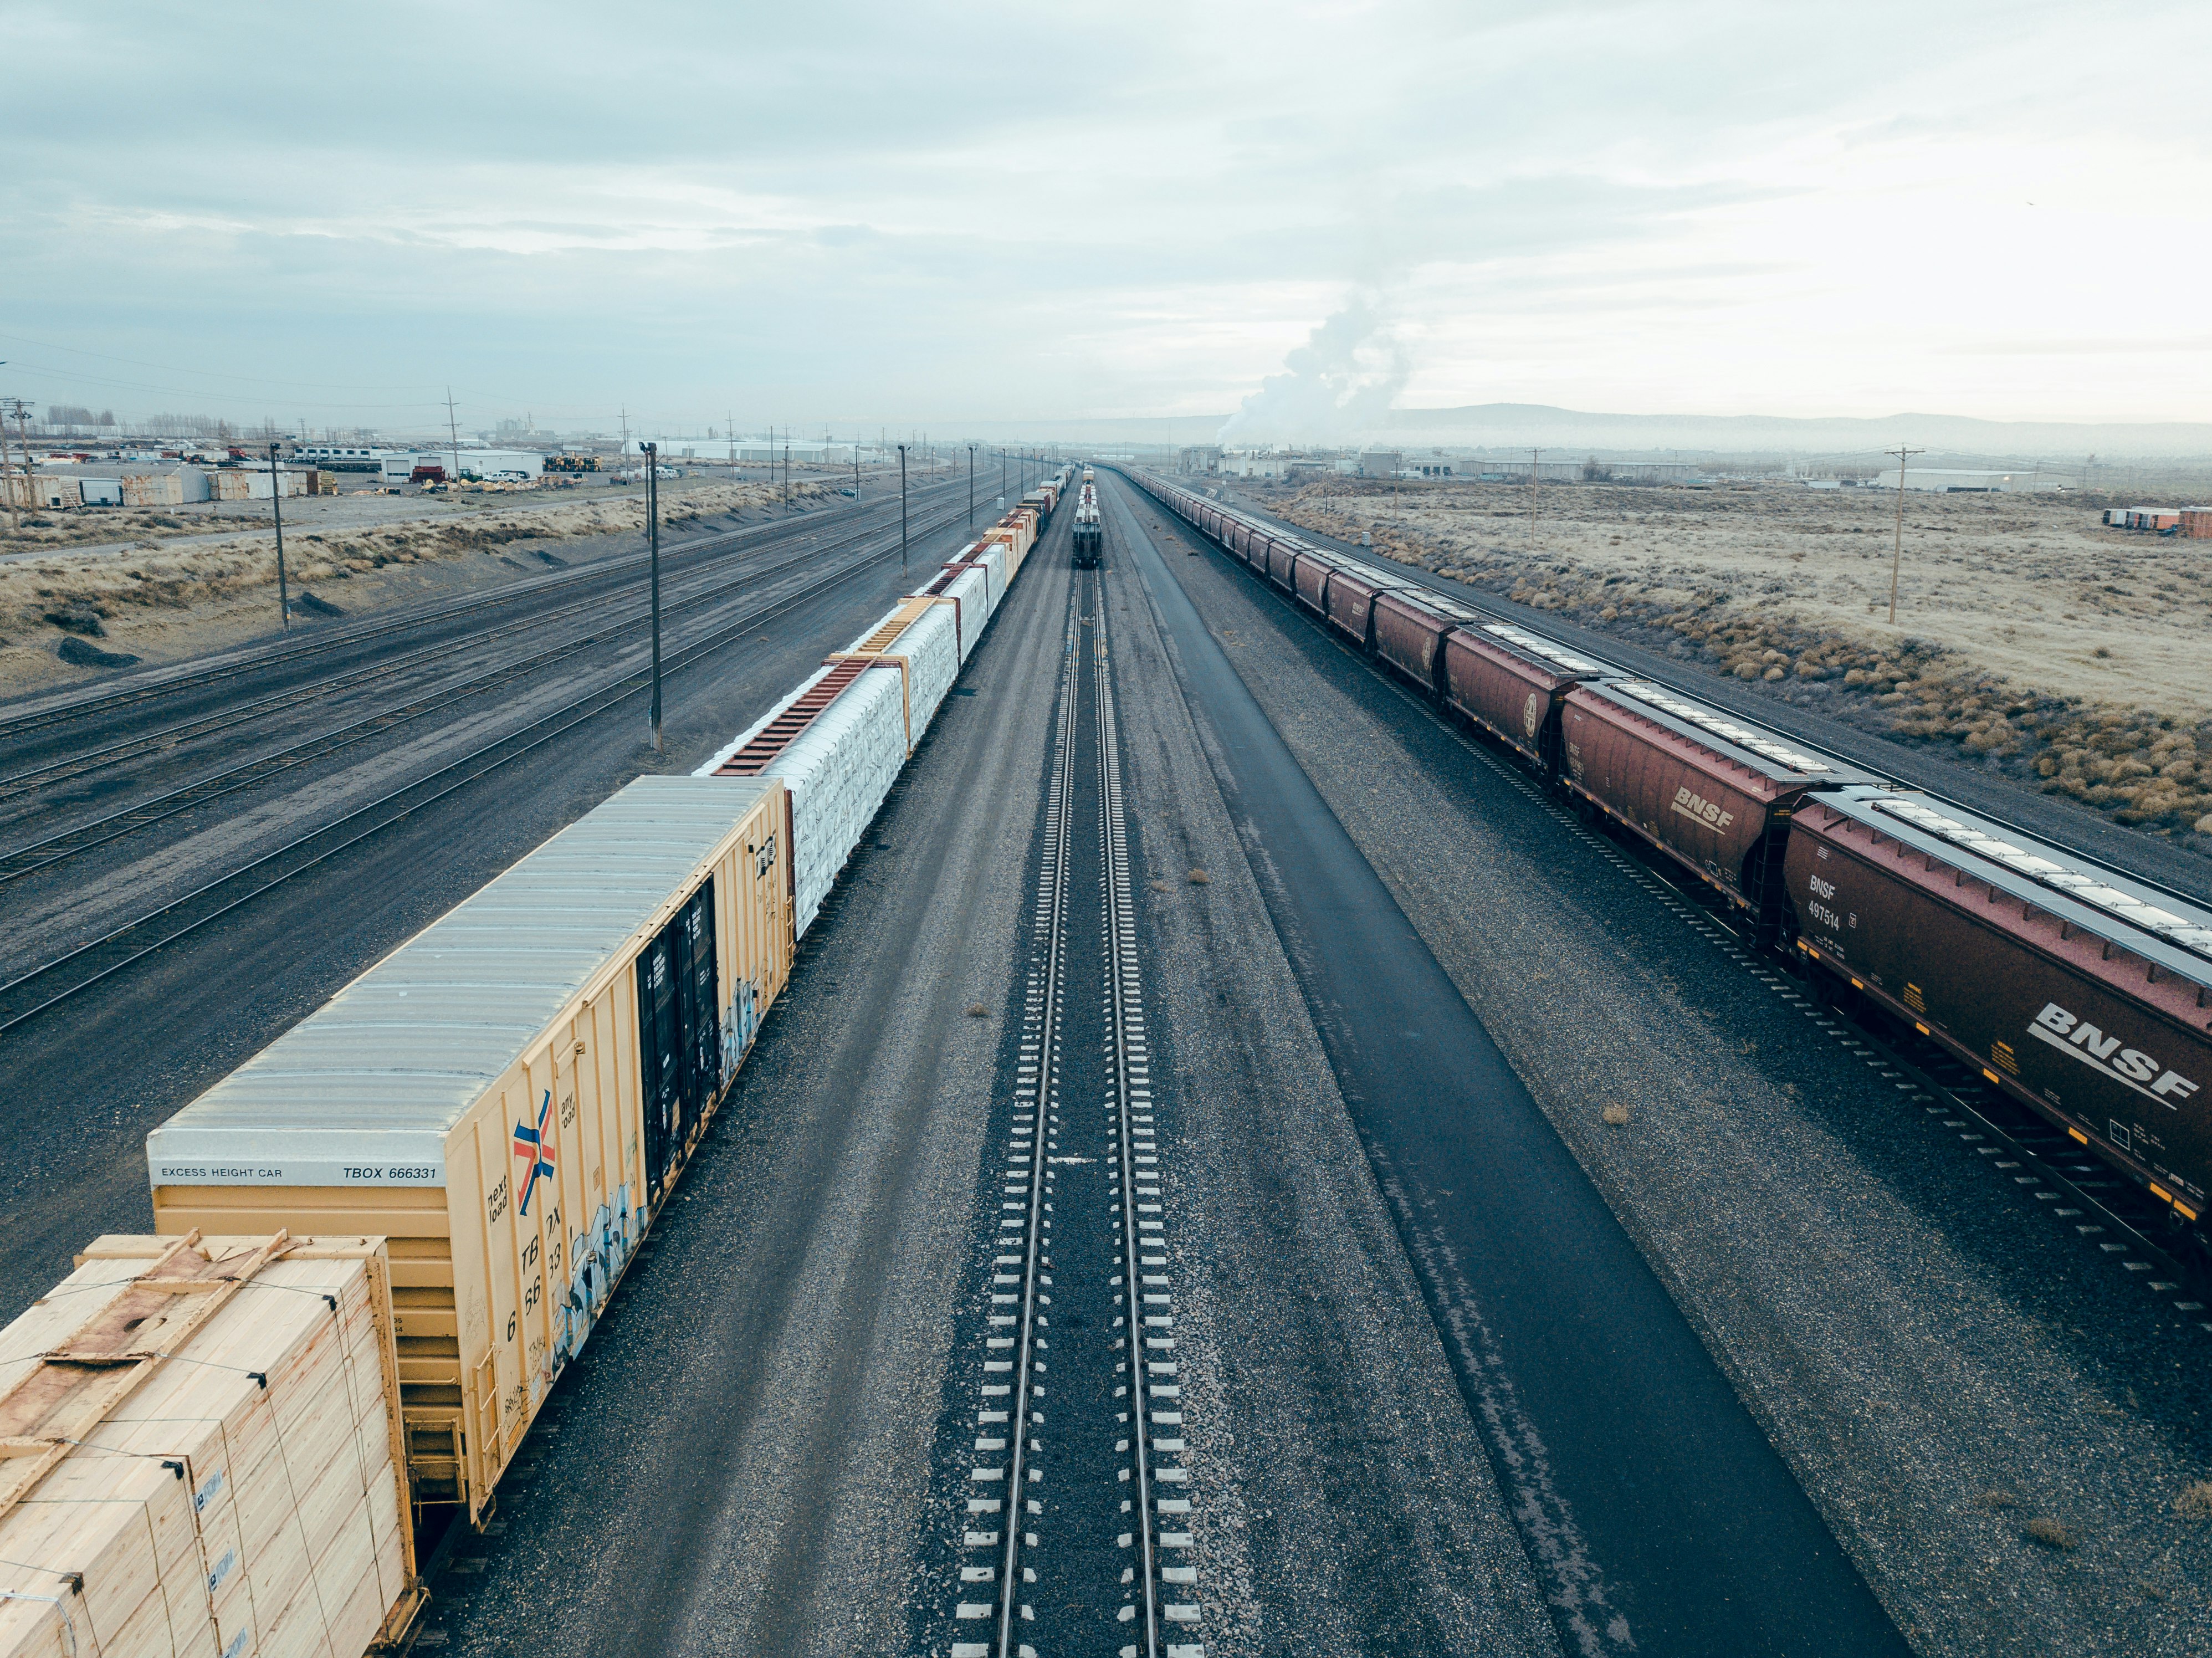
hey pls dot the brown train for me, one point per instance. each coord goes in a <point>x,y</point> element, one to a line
<point>2077,992</point>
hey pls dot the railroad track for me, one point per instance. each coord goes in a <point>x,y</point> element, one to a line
<point>58,848</point>
<point>39,991</point>
<point>1075,1550</point>
<point>677,559</point>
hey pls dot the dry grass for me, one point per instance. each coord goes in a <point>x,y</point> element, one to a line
<point>2051,1534</point>
<point>2030,639</point>
<point>1615,1114</point>
<point>977,1010</point>
<point>148,591</point>
<point>1199,878</point>
<point>2194,1502</point>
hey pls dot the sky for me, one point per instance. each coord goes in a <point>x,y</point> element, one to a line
<point>847,215</point>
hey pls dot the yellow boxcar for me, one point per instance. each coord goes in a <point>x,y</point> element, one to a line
<point>507,1098</point>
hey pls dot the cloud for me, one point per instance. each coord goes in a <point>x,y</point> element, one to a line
<point>1336,385</point>
<point>928,215</point>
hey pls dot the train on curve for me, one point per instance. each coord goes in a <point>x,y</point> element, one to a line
<point>509,1097</point>
<point>2082,995</point>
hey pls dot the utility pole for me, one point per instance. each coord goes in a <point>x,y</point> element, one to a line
<point>277,506</point>
<point>453,433</point>
<point>15,406</point>
<point>1897,552</point>
<point>652,544</point>
<point>787,469</point>
<point>1002,477</point>
<point>730,431</point>
<point>971,486</point>
<point>902,510</point>
<point>1533,454</point>
<point>625,437</point>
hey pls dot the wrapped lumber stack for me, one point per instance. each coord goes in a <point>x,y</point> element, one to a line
<point>199,1453</point>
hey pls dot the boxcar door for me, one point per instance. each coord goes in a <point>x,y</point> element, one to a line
<point>660,1059</point>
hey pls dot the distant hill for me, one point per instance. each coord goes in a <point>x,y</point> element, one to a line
<point>1512,425</point>
<point>1507,426</point>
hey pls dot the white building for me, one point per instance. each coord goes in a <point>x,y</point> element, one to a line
<point>1959,480</point>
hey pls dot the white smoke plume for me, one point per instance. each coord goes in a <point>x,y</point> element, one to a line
<point>1338,385</point>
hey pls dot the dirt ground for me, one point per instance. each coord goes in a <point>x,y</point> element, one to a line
<point>2027,635</point>
<point>67,614</point>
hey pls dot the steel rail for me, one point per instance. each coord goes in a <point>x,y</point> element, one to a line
<point>375,627</point>
<point>1114,857</point>
<point>67,843</point>
<point>550,725</point>
<point>1058,844</point>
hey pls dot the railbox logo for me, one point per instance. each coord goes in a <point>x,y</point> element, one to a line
<point>2132,1068</point>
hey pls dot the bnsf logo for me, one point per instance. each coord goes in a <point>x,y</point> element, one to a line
<point>2077,1039</point>
<point>1703,811</point>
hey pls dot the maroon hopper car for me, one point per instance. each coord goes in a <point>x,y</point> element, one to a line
<point>1410,625</point>
<point>1351,594</point>
<point>1714,795</point>
<point>1281,556</point>
<point>1512,683</point>
<point>1309,578</point>
<point>2084,994</point>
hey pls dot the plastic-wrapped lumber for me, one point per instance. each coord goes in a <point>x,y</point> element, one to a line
<point>206,1453</point>
<point>838,769</point>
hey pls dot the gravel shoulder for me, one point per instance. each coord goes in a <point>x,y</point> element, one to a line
<point>1941,1364</point>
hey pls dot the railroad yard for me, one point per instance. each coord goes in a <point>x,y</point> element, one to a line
<point>1082,1103</point>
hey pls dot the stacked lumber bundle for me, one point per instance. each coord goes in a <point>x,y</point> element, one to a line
<point>199,1453</point>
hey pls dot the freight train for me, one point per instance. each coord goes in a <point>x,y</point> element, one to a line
<point>509,1097</point>
<point>1089,538</point>
<point>2080,993</point>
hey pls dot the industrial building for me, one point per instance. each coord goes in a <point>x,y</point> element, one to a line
<point>1963,481</point>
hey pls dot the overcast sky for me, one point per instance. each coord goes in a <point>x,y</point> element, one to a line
<point>920,216</point>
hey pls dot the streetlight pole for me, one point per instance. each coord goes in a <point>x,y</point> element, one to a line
<point>277,506</point>
<point>901,506</point>
<point>653,543</point>
<point>1897,552</point>
<point>971,486</point>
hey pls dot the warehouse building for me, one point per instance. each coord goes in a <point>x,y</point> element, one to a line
<point>1963,481</point>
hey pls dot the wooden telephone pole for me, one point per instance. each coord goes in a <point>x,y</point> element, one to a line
<point>1897,553</point>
